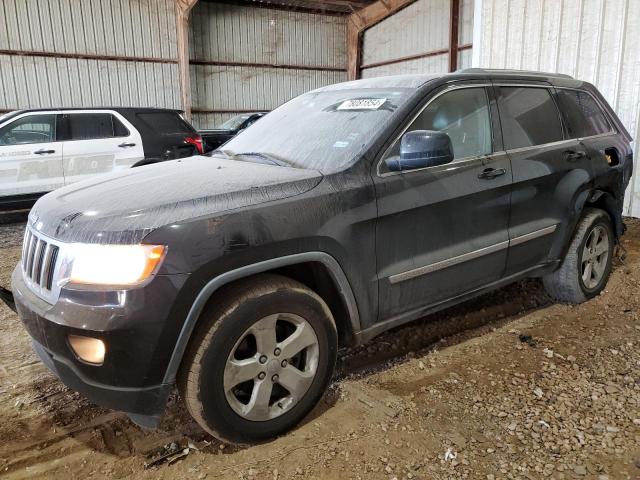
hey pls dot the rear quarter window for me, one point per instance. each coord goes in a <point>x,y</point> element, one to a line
<point>165,122</point>
<point>582,114</point>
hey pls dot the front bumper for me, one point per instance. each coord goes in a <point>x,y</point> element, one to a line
<point>136,327</point>
<point>143,405</point>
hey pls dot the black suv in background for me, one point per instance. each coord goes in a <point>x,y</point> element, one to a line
<point>45,149</point>
<point>215,137</point>
<point>350,210</point>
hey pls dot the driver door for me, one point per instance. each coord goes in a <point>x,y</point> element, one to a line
<point>30,156</point>
<point>442,231</point>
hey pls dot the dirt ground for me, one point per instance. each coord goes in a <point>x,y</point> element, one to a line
<point>456,395</point>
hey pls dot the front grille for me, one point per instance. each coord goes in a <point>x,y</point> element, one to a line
<point>39,258</point>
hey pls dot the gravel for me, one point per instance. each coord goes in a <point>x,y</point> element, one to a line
<point>508,386</point>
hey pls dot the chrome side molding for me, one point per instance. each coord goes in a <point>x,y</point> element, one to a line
<point>465,257</point>
<point>450,262</point>
<point>532,235</point>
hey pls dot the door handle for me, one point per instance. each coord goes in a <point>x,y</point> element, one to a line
<point>125,145</point>
<point>573,155</point>
<point>489,173</point>
<point>44,152</point>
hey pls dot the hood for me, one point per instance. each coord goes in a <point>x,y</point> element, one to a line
<point>124,207</point>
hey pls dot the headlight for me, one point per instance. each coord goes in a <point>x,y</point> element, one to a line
<point>113,264</point>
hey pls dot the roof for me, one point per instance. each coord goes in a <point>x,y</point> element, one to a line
<point>415,81</point>
<point>516,73</point>
<point>117,109</point>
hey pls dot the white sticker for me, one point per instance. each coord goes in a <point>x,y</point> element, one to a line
<point>340,144</point>
<point>362,104</point>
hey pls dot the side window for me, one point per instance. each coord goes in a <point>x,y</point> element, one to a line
<point>119,130</point>
<point>463,114</point>
<point>165,122</point>
<point>29,129</point>
<point>529,117</point>
<point>93,126</point>
<point>582,113</point>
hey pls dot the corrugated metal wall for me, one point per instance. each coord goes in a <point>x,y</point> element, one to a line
<point>421,27</point>
<point>593,40</point>
<point>88,53</point>
<point>234,49</point>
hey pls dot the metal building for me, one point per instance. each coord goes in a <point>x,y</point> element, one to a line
<point>215,59</point>
<point>593,40</point>
<point>245,58</point>
<point>79,53</point>
<point>416,40</point>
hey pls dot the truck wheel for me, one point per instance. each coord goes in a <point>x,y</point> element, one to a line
<point>585,269</point>
<point>260,360</point>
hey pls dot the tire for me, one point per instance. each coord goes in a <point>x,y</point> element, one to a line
<point>225,351</point>
<point>568,283</point>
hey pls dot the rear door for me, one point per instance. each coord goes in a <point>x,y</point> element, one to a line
<point>443,230</point>
<point>30,155</point>
<point>548,169</point>
<point>96,142</point>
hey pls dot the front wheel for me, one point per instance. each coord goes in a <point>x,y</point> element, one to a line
<point>261,359</point>
<point>585,269</point>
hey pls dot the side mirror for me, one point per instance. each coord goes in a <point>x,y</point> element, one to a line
<point>421,149</point>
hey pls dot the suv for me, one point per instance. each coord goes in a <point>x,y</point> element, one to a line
<point>213,138</point>
<point>347,211</point>
<point>41,150</point>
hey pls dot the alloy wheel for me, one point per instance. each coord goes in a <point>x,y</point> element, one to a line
<point>595,256</point>
<point>271,366</point>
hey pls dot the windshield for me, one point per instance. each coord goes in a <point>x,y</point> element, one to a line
<point>234,122</point>
<point>321,130</point>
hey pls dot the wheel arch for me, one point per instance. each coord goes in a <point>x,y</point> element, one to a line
<point>326,276</point>
<point>589,198</point>
<point>606,201</point>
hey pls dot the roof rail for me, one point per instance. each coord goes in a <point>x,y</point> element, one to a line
<point>497,71</point>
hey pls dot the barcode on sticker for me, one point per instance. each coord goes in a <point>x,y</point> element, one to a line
<point>362,104</point>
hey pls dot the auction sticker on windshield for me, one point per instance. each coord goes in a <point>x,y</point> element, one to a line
<point>362,104</point>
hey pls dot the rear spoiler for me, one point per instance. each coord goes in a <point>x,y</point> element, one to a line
<point>7,297</point>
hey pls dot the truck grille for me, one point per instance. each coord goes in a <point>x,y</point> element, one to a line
<point>39,257</point>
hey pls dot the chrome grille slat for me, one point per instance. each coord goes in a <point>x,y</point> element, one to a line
<point>32,247</point>
<point>46,266</point>
<point>40,255</point>
<point>38,264</point>
<point>27,238</point>
<point>52,266</point>
<point>34,260</point>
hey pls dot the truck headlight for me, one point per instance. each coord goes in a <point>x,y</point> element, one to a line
<point>117,265</point>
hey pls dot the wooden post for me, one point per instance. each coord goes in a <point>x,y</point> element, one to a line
<point>354,47</point>
<point>359,21</point>
<point>454,23</point>
<point>183,7</point>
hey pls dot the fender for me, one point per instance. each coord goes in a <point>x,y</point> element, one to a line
<point>611,205</point>
<point>597,198</point>
<point>210,288</point>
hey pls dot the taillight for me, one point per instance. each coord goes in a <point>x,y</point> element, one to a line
<point>196,141</point>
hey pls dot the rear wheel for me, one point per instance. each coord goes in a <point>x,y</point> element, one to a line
<point>585,269</point>
<point>261,359</point>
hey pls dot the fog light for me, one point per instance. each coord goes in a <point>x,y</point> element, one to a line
<point>91,350</point>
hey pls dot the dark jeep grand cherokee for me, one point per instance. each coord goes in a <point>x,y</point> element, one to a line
<point>350,210</point>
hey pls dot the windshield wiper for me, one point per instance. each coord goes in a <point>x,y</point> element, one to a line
<point>265,157</point>
<point>226,153</point>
